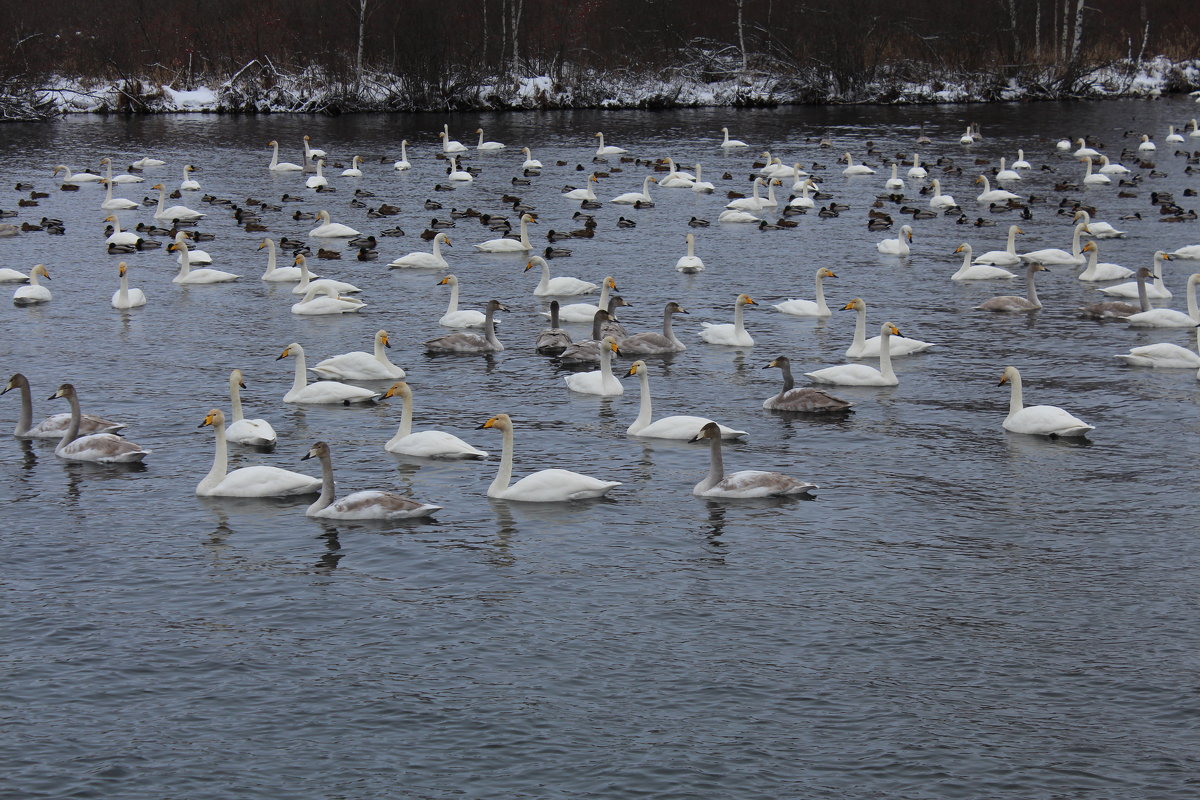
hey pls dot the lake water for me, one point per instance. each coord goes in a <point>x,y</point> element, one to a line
<point>959,613</point>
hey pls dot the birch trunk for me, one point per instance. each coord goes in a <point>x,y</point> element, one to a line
<point>741,33</point>
<point>1077,41</point>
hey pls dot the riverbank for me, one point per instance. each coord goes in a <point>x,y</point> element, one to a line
<point>259,88</point>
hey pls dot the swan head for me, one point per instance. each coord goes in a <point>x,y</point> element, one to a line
<point>888,329</point>
<point>443,135</point>
<point>323,216</point>
<point>610,343</point>
<point>675,308</point>
<point>40,269</point>
<point>264,243</point>
<point>825,272</point>
<point>449,280</point>
<point>710,431</point>
<point>111,218</point>
<point>906,232</point>
<point>381,336</point>
<point>500,422</point>
<point>1090,247</point>
<point>962,248</point>
<point>236,376</point>
<point>856,304</point>
<point>214,417</point>
<point>299,259</point>
<point>636,368</point>
<point>307,138</point>
<point>1162,256</point>
<point>318,450</point>
<point>529,218</point>
<point>536,261</point>
<point>782,362</point>
<point>496,305</point>
<point>272,143</point>
<point>399,389</point>
<point>745,300</point>
<point>159,186</point>
<point>121,268</point>
<point>444,239</point>
<point>291,350</point>
<point>1010,375</point>
<point>65,390</point>
<point>611,283</point>
<point>61,168</point>
<point>17,381</point>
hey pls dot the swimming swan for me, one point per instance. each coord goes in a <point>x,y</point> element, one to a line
<point>319,180</point>
<point>423,260</point>
<point>1054,256</point>
<point>1097,230</point>
<point>806,400</point>
<point>424,444</point>
<point>34,293</point>
<point>602,381</point>
<point>1011,302</point>
<point>1169,317</point>
<point>630,198</point>
<point>124,297</point>
<point>190,276</point>
<point>307,282</point>
<point>586,312</point>
<point>257,432</point>
<point>977,272</point>
<point>280,166</point>
<point>450,145</point>
<point>747,483</point>
<point>256,481</point>
<point>1039,420</point>
<point>322,391</point>
<point>1163,355</point>
<point>55,425</point>
<point>1155,291</point>
<point>939,201</point>
<point>691,263</point>
<point>319,300</point>
<point>730,334</point>
<point>990,195</point>
<point>862,347</point>
<point>544,486</point>
<point>559,287</point>
<point>1003,258</point>
<point>609,150</point>
<point>360,365</point>
<point>898,246</point>
<point>454,318</point>
<point>105,448</point>
<point>654,343</point>
<point>552,341</point>
<point>861,374</point>
<point>111,203</point>
<point>809,308</point>
<point>682,427</point>
<point>330,230</point>
<point>727,143</point>
<point>1101,271</point>
<point>509,245</point>
<point>279,274</point>
<point>174,212</point>
<point>364,505</point>
<point>461,342</point>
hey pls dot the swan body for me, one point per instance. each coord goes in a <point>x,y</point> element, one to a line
<point>544,486</point>
<point>916,171</point>
<point>1037,420</point>
<point>629,198</point>
<point>1146,146</point>
<point>1169,317</point>
<point>319,300</point>
<point>810,308</point>
<point>585,193</point>
<point>331,230</point>
<point>990,195</point>
<point>561,286</point>
<point>861,374</point>
<point>1155,291</point>
<point>190,276</point>
<point>734,215</point>
<point>34,292</point>
<point>755,202</point>
<point>111,203</point>
<point>70,176</point>
<point>469,343</point>
<point>1190,252</point>
<point>893,183</point>
<point>450,145</point>
<point>1163,355</point>
<point>281,166</point>
<point>1004,174</point>
<point>585,312</point>
<point>676,179</point>
<point>353,171</point>
<point>734,334</point>
<point>1101,271</point>
<point>1094,178</point>
<point>422,260</point>
<point>403,163</point>
<point>257,481</point>
<point>307,282</point>
<point>700,186</point>
<point>454,318</point>
<point>654,343</point>
<point>456,174</point>
<point>806,400</point>
<point>856,169</point>
<point>1011,302</point>
<point>125,297</point>
<point>898,246</point>
<point>862,347</point>
<point>174,212</point>
<point>554,340</point>
<point>319,180</point>
<point>195,257</point>
<point>977,272</point>
<point>366,505</point>
<point>279,274</point>
<point>602,381</point>
<point>608,150</point>
<point>360,365</point>
<point>1097,230</point>
<point>1021,163</point>
<point>1172,136</point>
<point>803,201</point>
<point>119,236</point>
<point>322,391</point>
<point>104,448</point>
<point>424,444</point>
<point>1056,257</point>
<point>189,184</point>
<point>530,162</point>
<point>107,162</point>
<point>55,425</point>
<point>8,275</point>
<point>1108,168</point>
<point>727,143</point>
<point>744,484</point>
<point>509,245</point>
<point>311,152</point>
<point>682,427</point>
<point>690,263</point>
<point>1084,151</point>
<point>939,201</point>
<point>256,432</point>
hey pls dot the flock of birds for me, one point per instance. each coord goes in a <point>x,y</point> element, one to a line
<point>341,378</point>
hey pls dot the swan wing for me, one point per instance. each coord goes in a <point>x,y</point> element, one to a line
<point>557,485</point>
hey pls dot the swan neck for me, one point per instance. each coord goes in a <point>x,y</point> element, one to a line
<point>1012,240</point>
<point>1144,297</point>
<point>453,298</point>
<point>162,199</point>
<point>645,410</point>
<point>1192,306</point>
<point>489,329</point>
<point>739,312</point>
<point>275,155</point>
<point>885,356</point>
<point>301,379</point>
<point>1033,295</point>
<point>788,381</point>
<point>72,432</point>
<point>504,473</point>
<point>270,257</point>
<point>25,421</point>
<point>220,465</point>
<point>123,292</point>
<point>406,416</point>
<point>185,263</point>
<point>437,246</point>
<point>667,332</point>
<point>544,283</point>
<point>966,265</point>
<point>1016,399</point>
<point>1075,251</point>
<point>716,466</point>
<point>606,373</point>
<point>860,329</point>
<point>822,308</point>
<point>327,487</point>
<point>691,243</point>
<point>525,234</point>
<point>235,400</point>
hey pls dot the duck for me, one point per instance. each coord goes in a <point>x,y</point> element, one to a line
<point>1119,309</point>
<point>979,272</point>
<point>454,318</point>
<point>403,163</point>
<point>652,342</point>
<point>939,201</point>
<point>1097,230</point>
<point>1155,291</point>
<point>361,366</point>
<point>321,392</point>
<point>810,308</point>
<point>255,432</point>
<point>424,444</point>
<point>470,343</point>
<point>862,347</point>
<point>561,286</point>
<point>1049,421</point>
<point>631,198</point>
<point>176,213</point>
<point>543,486</point>
<point>552,341</point>
<point>856,169</point>
<point>34,292</point>
<point>681,427</point>
<point>1169,317</point>
<point>1163,355</point>
<point>1101,271</point>
<point>450,145</point>
<point>503,245</point>
<point>691,263</point>
<point>359,506</point>
<point>1005,174</point>
<point>1054,256</point>
<point>804,400</point>
<point>256,481</point>
<point>104,448</point>
<point>916,171</point>
<point>609,150</point>
<point>899,245</point>
<point>530,162</point>
<point>585,193</point>
<point>278,274</point>
<point>734,334</point>
<point>331,230</point>
<point>319,180</point>
<point>1094,178</point>
<point>125,297</point>
<point>70,176</point>
<point>584,312</point>
<point>861,374</point>
<point>111,203</point>
<point>323,299</point>
<point>744,484</point>
<point>602,381</point>
<point>423,260</point>
<point>990,195</point>
<point>281,166</point>
<point>729,144</point>
<point>307,280</point>
<point>190,276</point>
<point>1010,302</point>
<point>55,425</point>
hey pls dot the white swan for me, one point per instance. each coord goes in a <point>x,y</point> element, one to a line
<point>755,202</point>
<point>727,143</point>
<point>730,334</point>
<point>279,274</point>
<point>365,505</point>
<point>119,236</point>
<point>111,203</point>
<point>197,258</point>
<point>810,308</point>
<point>324,299</point>
<point>1084,151</point>
<point>34,292</point>
<point>257,432</point>
<point>1172,136</point>
<point>1191,252</point>
<point>423,260</point>
<point>353,171</point>
<point>105,448</point>
<point>9,275</point>
<point>746,483</point>
<point>676,179</point>
<point>601,381</point>
<point>543,486</point>
<point>522,245</point>
<point>939,201</point>
<point>893,183</point>
<point>916,170</point>
<point>196,276</point>
<point>361,366</point>
<point>1097,230</point>
<point>530,162</point>
<point>1094,178</point>
<point>1054,256</point>
<point>450,145</point>
<point>690,263</point>
<point>1037,420</point>
<point>1155,291</point>
<point>124,297</point>
<point>561,286</point>
<point>174,212</point>
<point>119,178</point>
<point>861,374</point>
<point>734,215</point>
<point>1169,317</point>
<point>147,161</point>
<point>1146,146</point>
<point>1011,302</point>
<point>630,198</point>
<point>700,186</point>
<point>455,174</point>
<point>461,342</point>
<point>330,230</point>
<point>862,347</point>
<point>403,163</point>
<point>978,272</point>
<point>899,245</point>
<point>55,425</point>
<point>307,280</point>
<point>990,195</point>
<point>454,318</point>
<point>674,427</point>
<point>1063,144</point>
<point>1107,168</point>
<point>1163,355</point>
<point>1101,271</point>
<point>189,184</point>
<point>488,147</point>
<point>1004,174</point>
<point>321,391</point>
<point>806,400</point>
<point>281,166</point>
<point>1021,163</point>
<point>856,169</point>
<point>319,180</point>
<point>71,176</point>
<point>256,481</point>
<point>424,444</point>
<point>652,342</point>
<point>804,201</point>
<point>311,152</point>
<point>609,150</point>
<point>585,193</point>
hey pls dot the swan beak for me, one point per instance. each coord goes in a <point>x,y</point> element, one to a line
<point>768,366</point>
<point>387,342</point>
<point>830,273</point>
<point>528,266</point>
<point>632,371</point>
<point>850,305</point>
<point>443,282</point>
<point>1020,231</point>
<point>489,424</point>
<point>446,241</point>
<point>284,354</point>
<point>1003,380</point>
<point>121,269</point>
<point>696,438</point>
<point>501,307</point>
<point>909,237</point>
<point>261,246</point>
<point>1166,257</point>
<point>307,456</point>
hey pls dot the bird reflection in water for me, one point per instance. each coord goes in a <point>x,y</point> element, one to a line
<point>328,560</point>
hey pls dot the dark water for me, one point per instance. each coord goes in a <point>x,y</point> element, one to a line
<point>961,613</point>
